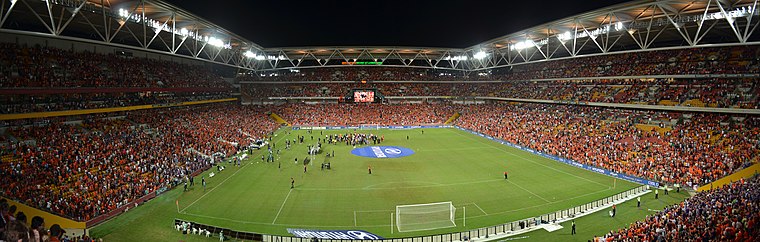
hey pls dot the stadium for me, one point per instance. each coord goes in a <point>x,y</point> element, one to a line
<point>130,120</point>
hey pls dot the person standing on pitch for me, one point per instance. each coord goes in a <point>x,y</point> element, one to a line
<point>573,230</point>
<point>292,183</point>
<point>614,209</point>
<point>369,168</point>
<point>638,202</point>
<point>203,182</point>
<point>505,175</point>
<point>656,193</point>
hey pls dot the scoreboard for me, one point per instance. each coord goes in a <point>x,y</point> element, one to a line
<point>363,95</point>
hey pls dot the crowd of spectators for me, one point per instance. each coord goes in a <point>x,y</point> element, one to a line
<point>684,148</point>
<point>359,114</point>
<point>84,170</point>
<point>76,101</point>
<point>146,150</point>
<point>15,226</point>
<point>739,93</point>
<point>37,67</point>
<point>728,213</point>
<point>719,60</point>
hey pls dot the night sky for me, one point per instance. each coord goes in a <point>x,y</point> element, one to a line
<point>424,23</point>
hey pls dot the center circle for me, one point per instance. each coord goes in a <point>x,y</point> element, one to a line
<point>382,151</point>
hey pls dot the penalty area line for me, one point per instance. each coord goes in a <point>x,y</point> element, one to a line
<point>282,206</point>
<point>476,205</point>
<point>534,194</point>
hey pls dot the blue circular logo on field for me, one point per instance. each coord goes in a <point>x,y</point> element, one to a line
<point>382,151</point>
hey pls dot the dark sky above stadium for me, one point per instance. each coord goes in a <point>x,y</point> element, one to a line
<point>424,23</point>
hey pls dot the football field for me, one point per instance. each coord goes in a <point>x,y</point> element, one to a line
<point>448,165</point>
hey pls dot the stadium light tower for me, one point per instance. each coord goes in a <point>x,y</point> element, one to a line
<point>480,55</point>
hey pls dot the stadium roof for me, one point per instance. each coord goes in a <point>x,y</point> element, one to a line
<point>157,26</point>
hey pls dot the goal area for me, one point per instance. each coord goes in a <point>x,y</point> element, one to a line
<point>428,216</point>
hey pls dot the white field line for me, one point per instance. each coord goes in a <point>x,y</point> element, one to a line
<point>518,186</point>
<point>380,225</point>
<point>394,188</point>
<point>476,205</point>
<point>526,159</point>
<point>282,206</point>
<point>220,184</point>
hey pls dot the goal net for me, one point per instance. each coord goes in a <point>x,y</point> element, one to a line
<point>418,217</point>
<point>369,126</point>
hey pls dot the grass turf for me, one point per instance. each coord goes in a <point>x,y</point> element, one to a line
<point>600,223</point>
<point>448,165</point>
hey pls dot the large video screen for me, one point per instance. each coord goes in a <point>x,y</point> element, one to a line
<point>364,96</point>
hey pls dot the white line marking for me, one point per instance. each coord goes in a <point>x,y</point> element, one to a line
<point>521,157</point>
<point>212,189</point>
<point>518,186</point>
<point>282,206</point>
<point>374,211</point>
<point>386,183</point>
<point>354,218</point>
<point>394,188</point>
<point>381,225</point>
<point>456,149</point>
<point>539,205</point>
<point>291,225</point>
<point>476,205</point>
<point>220,184</point>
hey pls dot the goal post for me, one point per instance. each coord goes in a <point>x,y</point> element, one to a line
<point>428,216</point>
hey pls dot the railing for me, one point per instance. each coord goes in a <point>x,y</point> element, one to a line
<point>507,229</point>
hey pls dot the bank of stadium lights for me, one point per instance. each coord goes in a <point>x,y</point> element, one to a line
<point>158,26</point>
<point>480,55</point>
<point>456,58</point>
<point>255,56</point>
<point>567,35</point>
<point>522,45</point>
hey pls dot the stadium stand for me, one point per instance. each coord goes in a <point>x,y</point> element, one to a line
<point>30,67</point>
<point>350,114</point>
<point>76,101</point>
<point>722,93</point>
<point>728,213</point>
<point>694,149</point>
<point>721,60</point>
<point>137,155</point>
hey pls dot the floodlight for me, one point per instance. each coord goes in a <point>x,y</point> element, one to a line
<point>480,55</point>
<point>215,42</point>
<point>249,54</point>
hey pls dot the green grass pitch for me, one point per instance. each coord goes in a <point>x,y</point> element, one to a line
<point>448,165</point>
